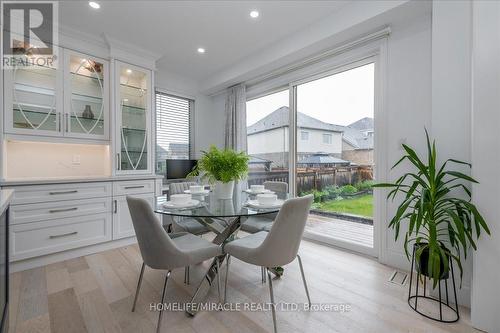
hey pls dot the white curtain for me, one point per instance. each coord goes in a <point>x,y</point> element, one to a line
<point>236,118</point>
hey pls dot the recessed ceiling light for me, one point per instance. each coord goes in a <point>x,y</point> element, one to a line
<point>254,14</point>
<point>201,50</point>
<point>94,5</point>
<point>129,71</point>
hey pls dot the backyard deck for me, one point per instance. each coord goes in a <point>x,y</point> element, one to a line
<point>353,232</point>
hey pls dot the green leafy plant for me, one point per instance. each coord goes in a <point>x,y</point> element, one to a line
<point>348,189</point>
<point>223,165</point>
<point>365,185</point>
<point>440,224</point>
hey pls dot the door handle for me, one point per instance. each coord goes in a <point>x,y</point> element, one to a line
<point>115,210</point>
<point>118,162</point>
<point>62,210</point>
<point>63,192</point>
<point>63,235</point>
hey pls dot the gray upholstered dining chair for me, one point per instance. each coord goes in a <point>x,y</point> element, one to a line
<point>255,224</point>
<point>184,224</point>
<point>160,250</point>
<point>263,223</point>
<point>278,247</point>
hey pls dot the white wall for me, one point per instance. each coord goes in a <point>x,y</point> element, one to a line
<point>408,111</point>
<point>208,113</point>
<point>276,141</point>
<point>451,94</point>
<point>486,161</point>
<point>272,141</point>
<point>315,142</point>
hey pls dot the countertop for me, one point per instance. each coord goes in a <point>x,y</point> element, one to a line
<point>66,180</point>
<point>5,198</point>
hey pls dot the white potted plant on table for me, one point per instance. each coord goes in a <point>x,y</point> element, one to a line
<point>222,168</point>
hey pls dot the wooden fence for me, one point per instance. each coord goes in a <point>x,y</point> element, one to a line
<point>309,179</point>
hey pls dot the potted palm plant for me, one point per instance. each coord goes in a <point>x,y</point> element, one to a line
<point>222,168</point>
<point>441,224</point>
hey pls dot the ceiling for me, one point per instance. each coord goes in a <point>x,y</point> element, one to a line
<point>175,29</point>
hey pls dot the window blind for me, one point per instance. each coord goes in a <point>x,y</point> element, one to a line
<point>172,127</point>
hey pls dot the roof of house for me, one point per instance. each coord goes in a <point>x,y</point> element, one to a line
<point>364,124</point>
<point>322,158</point>
<point>279,118</point>
<point>353,134</point>
<point>258,160</point>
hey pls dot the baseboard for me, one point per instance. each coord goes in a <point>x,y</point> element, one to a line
<point>70,254</point>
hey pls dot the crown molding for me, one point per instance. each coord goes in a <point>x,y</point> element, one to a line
<point>131,53</point>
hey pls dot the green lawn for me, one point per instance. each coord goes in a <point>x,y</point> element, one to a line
<point>362,206</point>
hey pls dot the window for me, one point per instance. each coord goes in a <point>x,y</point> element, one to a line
<point>304,135</point>
<point>327,138</point>
<point>173,132</point>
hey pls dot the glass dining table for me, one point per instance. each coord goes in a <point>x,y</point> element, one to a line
<point>223,217</point>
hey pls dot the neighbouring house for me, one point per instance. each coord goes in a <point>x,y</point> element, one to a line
<point>268,139</point>
<point>357,143</point>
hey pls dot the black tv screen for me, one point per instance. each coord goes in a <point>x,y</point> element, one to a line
<point>177,169</point>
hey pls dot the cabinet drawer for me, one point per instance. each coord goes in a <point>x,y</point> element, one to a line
<point>58,192</point>
<point>61,209</point>
<point>133,187</point>
<point>40,238</point>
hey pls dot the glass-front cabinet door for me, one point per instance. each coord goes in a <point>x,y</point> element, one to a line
<point>86,101</point>
<point>133,123</point>
<point>33,100</point>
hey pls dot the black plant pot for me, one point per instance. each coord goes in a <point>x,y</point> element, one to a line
<point>415,293</point>
<point>422,265</point>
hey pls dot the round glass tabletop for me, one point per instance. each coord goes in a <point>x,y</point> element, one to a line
<point>209,205</point>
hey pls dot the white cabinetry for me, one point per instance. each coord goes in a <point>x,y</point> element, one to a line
<point>122,221</point>
<point>133,121</point>
<point>51,218</point>
<point>70,101</point>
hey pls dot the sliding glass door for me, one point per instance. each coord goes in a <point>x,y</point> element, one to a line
<point>268,138</point>
<point>318,135</point>
<point>334,155</point>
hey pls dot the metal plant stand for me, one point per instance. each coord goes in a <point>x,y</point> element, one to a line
<point>442,302</point>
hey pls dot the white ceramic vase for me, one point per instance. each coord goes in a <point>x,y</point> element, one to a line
<point>224,190</point>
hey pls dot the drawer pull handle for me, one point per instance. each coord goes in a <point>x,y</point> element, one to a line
<point>131,187</point>
<point>62,210</point>
<point>63,192</point>
<point>63,235</point>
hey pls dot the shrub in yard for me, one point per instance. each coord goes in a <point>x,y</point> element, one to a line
<point>365,185</point>
<point>348,189</point>
<point>333,191</point>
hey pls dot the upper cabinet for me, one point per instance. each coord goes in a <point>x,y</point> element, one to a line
<point>86,98</point>
<point>70,101</point>
<point>33,100</point>
<point>133,118</point>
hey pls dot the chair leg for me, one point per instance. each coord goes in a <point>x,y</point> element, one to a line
<point>158,327</point>
<point>273,310</point>
<point>227,274</point>
<point>304,279</point>
<point>218,279</point>
<point>186,275</point>
<point>138,286</point>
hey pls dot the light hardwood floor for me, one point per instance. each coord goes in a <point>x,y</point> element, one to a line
<point>95,294</point>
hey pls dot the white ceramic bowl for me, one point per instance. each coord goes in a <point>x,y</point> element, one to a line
<point>266,199</point>
<point>180,199</point>
<point>257,188</point>
<point>196,188</point>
